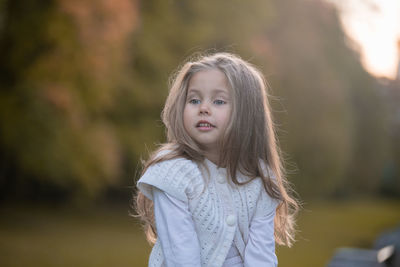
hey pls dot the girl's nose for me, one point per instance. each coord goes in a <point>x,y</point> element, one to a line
<point>204,108</point>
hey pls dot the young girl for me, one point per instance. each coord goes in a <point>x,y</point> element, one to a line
<point>215,194</point>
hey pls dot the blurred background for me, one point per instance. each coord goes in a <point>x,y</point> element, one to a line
<point>82,85</point>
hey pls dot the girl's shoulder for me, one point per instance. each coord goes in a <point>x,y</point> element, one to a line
<point>176,176</point>
<point>267,170</point>
<point>166,161</point>
<point>266,203</point>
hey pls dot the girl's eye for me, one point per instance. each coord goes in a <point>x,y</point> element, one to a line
<point>194,101</point>
<point>219,102</point>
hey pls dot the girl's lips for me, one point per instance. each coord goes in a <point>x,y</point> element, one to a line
<point>204,126</point>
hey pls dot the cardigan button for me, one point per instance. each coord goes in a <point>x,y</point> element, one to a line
<point>221,179</point>
<point>231,220</point>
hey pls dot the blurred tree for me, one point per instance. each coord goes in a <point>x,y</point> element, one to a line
<point>320,80</point>
<point>390,184</point>
<point>63,69</point>
<point>308,52</point>
<point>334,126</point>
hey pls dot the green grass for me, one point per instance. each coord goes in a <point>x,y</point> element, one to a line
<point>109,237</point>
<point>326,226</point>
<point>48,237</point>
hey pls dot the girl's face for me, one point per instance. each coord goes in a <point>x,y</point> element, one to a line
<point>207,109</point>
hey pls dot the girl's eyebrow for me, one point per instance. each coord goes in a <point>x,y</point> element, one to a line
<point>218,91</point>
<point>193,91</point>
<point>215,91</point>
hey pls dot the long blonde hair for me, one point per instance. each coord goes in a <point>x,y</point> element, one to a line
<point>250,135</point>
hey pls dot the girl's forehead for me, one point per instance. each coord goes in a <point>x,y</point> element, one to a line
<point>207,80</point>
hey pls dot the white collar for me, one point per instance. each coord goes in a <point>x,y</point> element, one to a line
<point>214,166</point>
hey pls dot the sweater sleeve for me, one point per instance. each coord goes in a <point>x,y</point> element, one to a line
<point>179,177</point>
<point>265,203</point>
<point>260,249</point>
<point>176,231</point>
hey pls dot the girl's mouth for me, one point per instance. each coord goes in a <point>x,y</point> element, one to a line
<point>204,125</point>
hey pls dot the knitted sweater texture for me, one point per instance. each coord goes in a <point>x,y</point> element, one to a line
<point>222,211</point>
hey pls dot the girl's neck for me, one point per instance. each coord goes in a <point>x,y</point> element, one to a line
<point>214,158</point>
<point>212,154</point>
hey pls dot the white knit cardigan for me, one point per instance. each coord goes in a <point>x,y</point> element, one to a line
<point>221,210</point>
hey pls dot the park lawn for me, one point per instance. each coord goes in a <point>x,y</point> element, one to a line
<point>325,226</point>
<point>109,237</point>
<point>64,237</point>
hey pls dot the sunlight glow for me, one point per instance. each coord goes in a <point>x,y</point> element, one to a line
<point>375,26</point>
